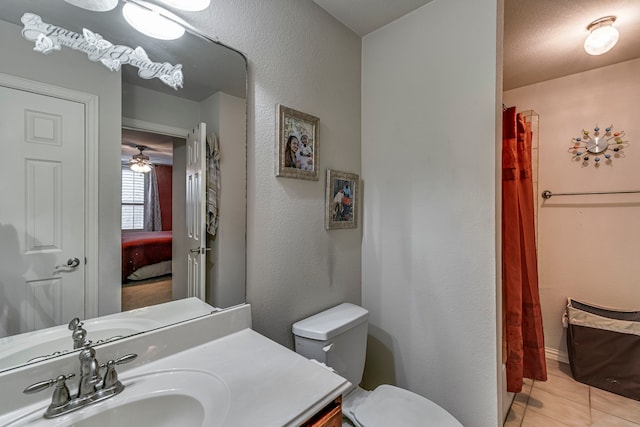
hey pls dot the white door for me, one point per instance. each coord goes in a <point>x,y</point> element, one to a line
<point>42,225</point>
<point>196,211</point>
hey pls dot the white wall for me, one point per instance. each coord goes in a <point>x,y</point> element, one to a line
<point>428,164</point>
<point>587,245</point>
<point>300,57</point>
<point>71,69</point>
<point>156,107</point>
<point>226,269</point>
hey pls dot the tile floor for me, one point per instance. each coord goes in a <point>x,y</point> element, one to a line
<point>562,401</point>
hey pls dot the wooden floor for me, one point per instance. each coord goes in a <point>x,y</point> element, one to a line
<point>146,294</point>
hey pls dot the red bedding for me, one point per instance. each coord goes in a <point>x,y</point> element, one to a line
<point>140,248</point>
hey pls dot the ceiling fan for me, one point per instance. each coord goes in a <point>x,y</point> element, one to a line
<point>140,162</point>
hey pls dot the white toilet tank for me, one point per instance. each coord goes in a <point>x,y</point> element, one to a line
<point>336,337</point>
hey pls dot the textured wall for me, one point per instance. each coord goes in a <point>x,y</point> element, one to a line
<point>428,161</point>
<point>586,244</point>
<point>300,57</point>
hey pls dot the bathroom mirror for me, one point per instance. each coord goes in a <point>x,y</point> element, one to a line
<point>48,100</point>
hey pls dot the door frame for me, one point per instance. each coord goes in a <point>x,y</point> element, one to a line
<point>91,173</point>
<point>178,132</point>
<point>143,125</point>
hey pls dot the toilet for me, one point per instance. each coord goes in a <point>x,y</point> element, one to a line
<point>337,337</point>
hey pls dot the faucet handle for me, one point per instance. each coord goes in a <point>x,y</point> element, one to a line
<point>119,361</point>
<point>111,376</point>
<point>43,385</point>
<point>61,397</point>
<point>126,358</point>
<point>60,394</point>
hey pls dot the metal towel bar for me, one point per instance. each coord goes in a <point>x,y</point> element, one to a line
<point>546,194</point>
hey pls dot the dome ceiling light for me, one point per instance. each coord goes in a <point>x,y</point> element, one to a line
<point>188,5</point>
<point>94,5</point>
<point>149,20</point>
<point>602,37</point>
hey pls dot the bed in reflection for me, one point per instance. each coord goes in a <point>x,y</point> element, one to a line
<point>145,254</point>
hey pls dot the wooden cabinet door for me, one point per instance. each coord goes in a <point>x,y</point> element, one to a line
<point>329,416</point>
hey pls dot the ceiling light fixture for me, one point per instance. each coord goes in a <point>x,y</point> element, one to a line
<point>150,20</point>
<point>188,5</point>
<point>140,162</point>
<point>602,37</point>
<point>94,5</point>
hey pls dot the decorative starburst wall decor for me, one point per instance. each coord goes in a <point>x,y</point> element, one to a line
<point>599,146</point>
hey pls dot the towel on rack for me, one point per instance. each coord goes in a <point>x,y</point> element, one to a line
<point>213,183</point>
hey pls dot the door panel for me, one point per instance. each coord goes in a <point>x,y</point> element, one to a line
<point>196,211</point>
<point>43,216</point>
<point>42,141</point>
<point>44,301</point>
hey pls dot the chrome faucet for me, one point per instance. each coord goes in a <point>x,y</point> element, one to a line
<point>79,335</point>
<point>90,388</point>
<point>89,373</point>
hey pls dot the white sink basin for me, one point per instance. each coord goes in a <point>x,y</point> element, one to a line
<point>57,340</point>
<point>185,398</point>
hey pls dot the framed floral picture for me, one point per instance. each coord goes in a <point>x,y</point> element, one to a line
<point>341,200</point>
<point>297,144</point>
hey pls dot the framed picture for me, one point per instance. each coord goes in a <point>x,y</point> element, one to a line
<point>341,200</point>
<point>297,144</point>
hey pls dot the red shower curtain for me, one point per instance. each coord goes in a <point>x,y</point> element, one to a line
<point>523,337</point>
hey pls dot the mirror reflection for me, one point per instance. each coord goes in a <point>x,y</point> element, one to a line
<point>124,181</point>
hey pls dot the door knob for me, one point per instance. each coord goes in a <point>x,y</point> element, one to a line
<point>73,262</point>
<point>71,265</point>
<point>199,250</point>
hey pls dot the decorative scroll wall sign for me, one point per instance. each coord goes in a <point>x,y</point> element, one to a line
<point>49,37</point>
<point>598,145</point>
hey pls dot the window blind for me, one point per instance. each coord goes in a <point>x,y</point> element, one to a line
<point>132,199</point>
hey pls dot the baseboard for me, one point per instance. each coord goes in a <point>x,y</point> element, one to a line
<point>553,354</point>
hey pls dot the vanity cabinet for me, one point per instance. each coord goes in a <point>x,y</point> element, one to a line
<point>329,416</point>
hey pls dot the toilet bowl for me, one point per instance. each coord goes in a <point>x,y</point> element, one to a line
<point>337,337</point>
<point>393,406</point>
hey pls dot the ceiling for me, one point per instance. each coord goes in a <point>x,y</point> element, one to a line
<point>364,16</point>
<point>158,147</point>
<point>542,38</point>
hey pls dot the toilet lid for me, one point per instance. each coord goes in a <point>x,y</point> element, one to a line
<point>392,406</point>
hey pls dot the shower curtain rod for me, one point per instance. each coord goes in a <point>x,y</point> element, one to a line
<point>546,194</point>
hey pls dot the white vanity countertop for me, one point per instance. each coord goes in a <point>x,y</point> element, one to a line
<point>269,384</point>
<point>265,384</point>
